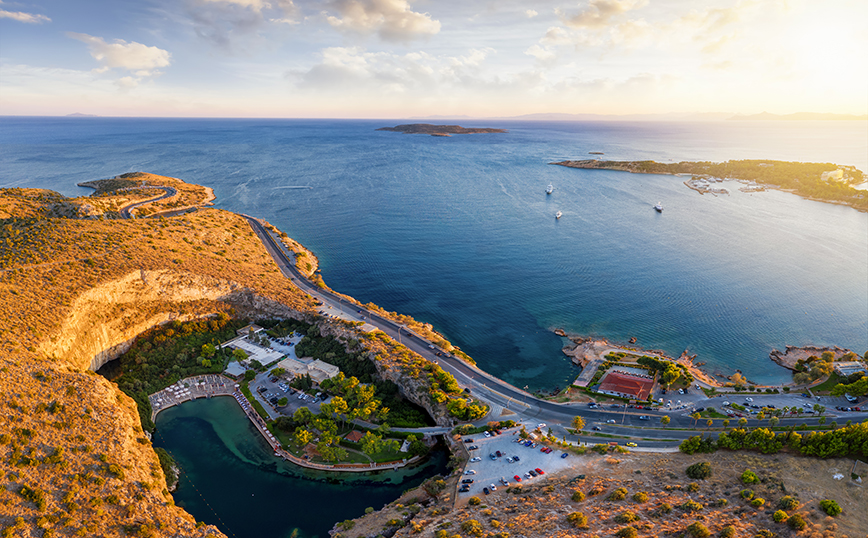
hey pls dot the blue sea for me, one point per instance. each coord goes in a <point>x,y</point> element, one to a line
<point>459,232</point>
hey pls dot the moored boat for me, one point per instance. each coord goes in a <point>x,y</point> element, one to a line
<point>659,207</point>
<point>550,189</point>
<point>558,215</point>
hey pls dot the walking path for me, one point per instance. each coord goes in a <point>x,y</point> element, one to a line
<point>206,386</point>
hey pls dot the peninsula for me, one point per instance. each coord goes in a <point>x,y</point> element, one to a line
<point>439,130</point>
<point>824,182</point>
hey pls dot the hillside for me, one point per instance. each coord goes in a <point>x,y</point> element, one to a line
<point>76,291</point>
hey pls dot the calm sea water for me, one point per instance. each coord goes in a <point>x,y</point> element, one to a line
<point>459,232</point>
<point>231,478</point>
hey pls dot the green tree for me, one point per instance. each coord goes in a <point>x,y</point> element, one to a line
<point>578,423</point>
<point>208,350</point>
<point>371,443</point>
<point>695,416</point>
<point>742,422</point>
<point>302,415</point>
<point>239,355</point>
<point>302,437</point>
<point>665,420</point>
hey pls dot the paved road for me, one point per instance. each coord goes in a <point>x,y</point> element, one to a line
<point>528,408</point>
<point>170,191</point>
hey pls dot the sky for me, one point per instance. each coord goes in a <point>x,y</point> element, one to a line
<point>423,58</point>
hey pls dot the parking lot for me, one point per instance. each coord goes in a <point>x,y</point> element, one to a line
<point>281,389</point>
<point>487,471</point>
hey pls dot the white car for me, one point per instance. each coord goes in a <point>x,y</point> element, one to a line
<point>492,487</point>
<point>485,433</point>
<point>475,459</point>
<point>610,421</point>
<point>541,425</point>
<point>748,399</point>
<point>726,404</point>
<point>471,471</point>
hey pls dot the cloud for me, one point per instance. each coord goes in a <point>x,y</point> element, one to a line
<point>543,54</point>
<point>222,21</point>
<point>599,13</point>
<point>141,60</point>
<point>531,13</point>
<point>392,20</point>
<point>20,16</point>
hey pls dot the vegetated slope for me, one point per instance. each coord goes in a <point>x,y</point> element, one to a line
<point>72,453</point>
<point>602,495</point>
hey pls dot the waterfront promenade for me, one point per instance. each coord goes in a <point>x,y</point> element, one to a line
<point>207,386</point>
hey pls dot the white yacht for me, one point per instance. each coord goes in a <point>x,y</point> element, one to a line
<point>558,215</point>
<point>550,189</point>
<point>659,207</point>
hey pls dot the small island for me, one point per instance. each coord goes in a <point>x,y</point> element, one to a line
<point>439,130</point>
<point>824,182</point>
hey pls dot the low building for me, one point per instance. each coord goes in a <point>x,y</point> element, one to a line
<point>849,368</point>
<point>626,385</point>
<point>354,436</point>
<point>318,370</point>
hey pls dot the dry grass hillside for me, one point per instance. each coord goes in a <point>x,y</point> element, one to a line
<point>73,458</point>
<point>646,491</point>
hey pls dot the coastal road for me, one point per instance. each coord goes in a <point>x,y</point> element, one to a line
<point>170,191</point>
<point>498,393</point>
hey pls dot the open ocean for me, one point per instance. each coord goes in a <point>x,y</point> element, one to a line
<point>459,232</point>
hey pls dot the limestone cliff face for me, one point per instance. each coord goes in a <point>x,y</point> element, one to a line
<point>103,321</point>
<point>415,390</point>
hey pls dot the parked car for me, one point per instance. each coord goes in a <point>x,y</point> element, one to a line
<point>464,489</point>
<point>644,417</point>
<point>485,490</point>
<point>532,473</point>
<point>564,455</point>
<point>498,454</point>
<point>470,471</point>
<point>468,440</point>
<point>610,421</point>
<point>541,425</point>
<point>540,471</point>
<point>597,428</point>
<point>632,444</point>
<point>473,447</point>
<point>516,458</point>
<point>517,478</point>
<point>492,456</point>
<point>492,487</point>
<point>504,481</point>
<point>467,481</point>
<point>475,459</point>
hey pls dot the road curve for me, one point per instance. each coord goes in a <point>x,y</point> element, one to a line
<point>170,191</point>
<point>496,391</point>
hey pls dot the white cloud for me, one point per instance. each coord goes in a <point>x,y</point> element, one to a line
<point>20,16</point>
<point>531,13</point>
<point>543,54</point>
<point>255,5</point>
<point>224,22</point>
<point>392,20</point>
<point>141,60</point>
<point>599,13</point>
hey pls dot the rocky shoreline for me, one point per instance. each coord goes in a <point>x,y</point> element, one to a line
<point>439,130</point>
<point>792,354</point>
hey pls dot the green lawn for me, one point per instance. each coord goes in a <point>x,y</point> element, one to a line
<point>829,384</point>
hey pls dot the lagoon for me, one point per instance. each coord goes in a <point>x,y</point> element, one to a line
<point>231,478</point>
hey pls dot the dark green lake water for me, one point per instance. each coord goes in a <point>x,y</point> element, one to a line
<point>231,479</point>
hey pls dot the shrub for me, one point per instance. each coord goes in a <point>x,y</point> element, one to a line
<point>34,495</point>
<point>780,516</point>
<point>626,517</point>
<point>746,494</point>
<point>662,510</point>
<point>640,497</point>
<point>627,532</point>
<point>788,503</point>
<point>578,520</point>
<point>472,527</point>
<point>618,495</point>
<point>727,532</point>
<point>830,507</point>
<point>758,502</point>
<point>721,502</point>
<point>474,501</point>
<point>699,471</point>
<point>691,506</point>
<point>698,530</point>
<point>693,487</point>
<point>796,522</point>
<point>749,477</point>
<point>578,496</point>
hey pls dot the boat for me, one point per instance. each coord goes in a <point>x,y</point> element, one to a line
<point>550,189</point>
<point>659,207</point>
<point>558,215</point>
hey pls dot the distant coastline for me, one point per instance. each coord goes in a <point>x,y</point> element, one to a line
<point>814,181</point>
<point>439,130</point>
